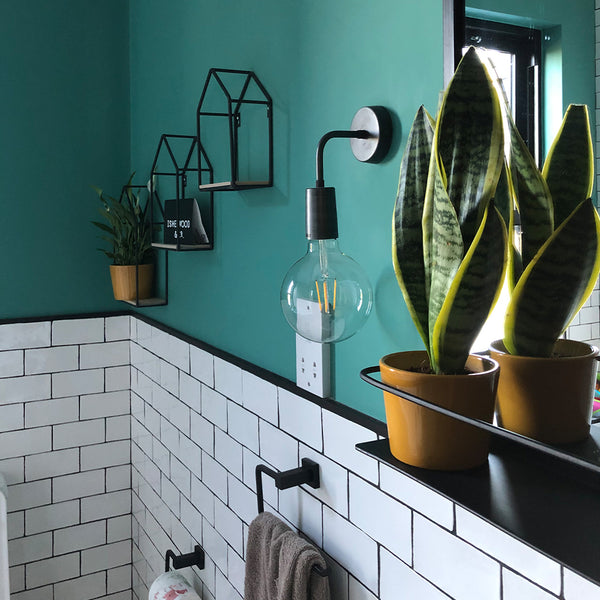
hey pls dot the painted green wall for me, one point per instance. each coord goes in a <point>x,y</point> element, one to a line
<point>64,124</point>
<point>320,61</point>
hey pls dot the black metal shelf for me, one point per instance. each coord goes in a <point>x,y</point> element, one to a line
<point>231,186</point>
<point>145,302</point>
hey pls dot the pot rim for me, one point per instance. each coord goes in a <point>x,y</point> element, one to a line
<point>498,347</point>
<point>490,365</point>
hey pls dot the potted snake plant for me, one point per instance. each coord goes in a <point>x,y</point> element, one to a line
<point>449,254</point>
<point>546,385</point>
<point>129,235</point>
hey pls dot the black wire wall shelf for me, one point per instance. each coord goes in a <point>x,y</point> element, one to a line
<point>235,106</point>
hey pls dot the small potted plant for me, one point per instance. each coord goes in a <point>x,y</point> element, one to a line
<point>129,234</point>
<point>546,385</point>
<point>449,254</point>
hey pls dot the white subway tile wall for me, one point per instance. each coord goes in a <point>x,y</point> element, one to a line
<point>65,420</point>
<point>106,472</point>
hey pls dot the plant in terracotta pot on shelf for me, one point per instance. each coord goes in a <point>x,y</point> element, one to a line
<point>129,234</point>
<point>449,254</point>
<point>546,385</point>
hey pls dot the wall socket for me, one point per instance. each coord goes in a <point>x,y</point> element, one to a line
<point>313,360</point>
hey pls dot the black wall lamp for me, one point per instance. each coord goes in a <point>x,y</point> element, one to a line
<point>326,296</point>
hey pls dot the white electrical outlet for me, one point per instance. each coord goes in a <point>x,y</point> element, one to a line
<point>313,360</point>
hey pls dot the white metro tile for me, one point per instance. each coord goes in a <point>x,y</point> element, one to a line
<point>202,432</point>
<point>79,537</point>
<point>77,331</point>
<point>117,328</point>
<point>236,570</point>
<point>190,391</point>
<point>107,354</point>
<point>242,426</point>
<point>214,545</point>
<point>13,470</point>
<point>229,525</point>
<point>396,577</point>
<point>169,377</point>
<point>301,418</point>
<point>11,363</point>
<point>278,448</point>
<point>11,417</point>
<point>214,476</point>
<point>214,407</point>
<point>144,361</point>
<point>16,524</point>
<point>513,553</point>
<point>303,511</point>
<point>28,495</point>
<point>105,404</point>
<point>118,478</point>
<point>228,380</point>
<point>260,397</point>
<point>117,378</point>
<point>203,499</point>
<point>342,541</point>
<point>118,428</point>
<point>515,587</point>
<point>78,485</point>
<point>15,336</point>
<point>340,437</point>
<point>190,455</point>
<point>356,591</point>
<point>51,412</point>
<point>52,570</point>
<point>51,360</point>
<point>118,528</point>
<point>119,579</point>
<point>333,490</point>
<point>82,588</point>
<point>79,433</point>
<point>105,505</point>
<point>52,516</point>
<point>202,365</point>
<point>225,589</point>
<point>171,349</point>
<point>29,549</point>
<point>381,517</point>
<point>417,496</point>
<point>25,389</point>
<point>24,442</point>
<point>75,383</point>
<point>106,557</point>
<point>51,464</point>
<point>228,452</point>
<point>242,500</point>
<point>578,588</point>
<point>109,454</point>
<point>452,564</point>
<point>16,577</point>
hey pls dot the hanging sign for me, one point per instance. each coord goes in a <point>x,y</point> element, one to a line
<point>185,228</point>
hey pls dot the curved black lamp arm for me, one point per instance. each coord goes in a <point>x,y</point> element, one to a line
<point>361,134</point>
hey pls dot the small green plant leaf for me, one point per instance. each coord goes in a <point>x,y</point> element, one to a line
<point>554,285</point>
<point>569,166</point>
<point>407,234</point>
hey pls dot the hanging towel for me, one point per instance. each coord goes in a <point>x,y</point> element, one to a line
<point>172,586</point>
<point>279,563</point>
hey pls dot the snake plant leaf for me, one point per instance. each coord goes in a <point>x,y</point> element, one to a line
<point>554,285</point>
<point>407,234</point>
<point>569,166</point>
<point>532,196</point>
<point>470,142</point>
<point>473,293</point>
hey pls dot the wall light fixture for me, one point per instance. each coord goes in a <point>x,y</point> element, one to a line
<point>326,296</point>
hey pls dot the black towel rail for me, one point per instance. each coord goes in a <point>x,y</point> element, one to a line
<point>192,559</point>
<point>308,474</point>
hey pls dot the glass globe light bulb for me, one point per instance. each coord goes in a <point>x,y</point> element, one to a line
<point>326,296</point>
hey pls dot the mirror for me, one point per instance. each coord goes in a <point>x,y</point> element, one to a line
<point>568,76</point>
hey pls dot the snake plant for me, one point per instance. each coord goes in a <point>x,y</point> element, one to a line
<point>449,238</point>
<point>555,270</point>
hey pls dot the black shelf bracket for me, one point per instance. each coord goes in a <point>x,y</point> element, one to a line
<point>308,474</point>
<point>181,561</point>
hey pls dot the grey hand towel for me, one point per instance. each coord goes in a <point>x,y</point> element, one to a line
<point>279,564</point>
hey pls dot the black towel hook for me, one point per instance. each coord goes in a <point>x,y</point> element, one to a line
<point>195,558</point>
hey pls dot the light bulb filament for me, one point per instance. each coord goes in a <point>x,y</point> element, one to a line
<point>324,304</point>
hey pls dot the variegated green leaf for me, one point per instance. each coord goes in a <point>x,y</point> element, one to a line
<point>554,285</point>
<point>472,295</point>
<point>470,142</point>
<point>569,166</point>
<point>407,234</point>
<point>532,196</point>
<point>446,254</point>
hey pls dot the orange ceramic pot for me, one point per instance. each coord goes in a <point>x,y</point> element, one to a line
<point>423,438</point>
<point>123,281</point>
<point>547,399</point>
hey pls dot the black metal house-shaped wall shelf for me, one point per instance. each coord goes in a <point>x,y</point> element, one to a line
<point>235,113</point>
<point>177,225</point>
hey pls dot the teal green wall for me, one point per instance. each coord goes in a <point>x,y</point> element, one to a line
<point>570,26</point>
<point>64,124</point>
<point>320,61</point>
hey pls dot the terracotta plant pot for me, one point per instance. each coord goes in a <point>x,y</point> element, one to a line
<point>423,438</point>
<point>547,399</point>
<point>123,281</point>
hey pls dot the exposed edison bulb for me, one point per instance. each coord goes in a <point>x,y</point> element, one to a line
<point>326,296</point>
